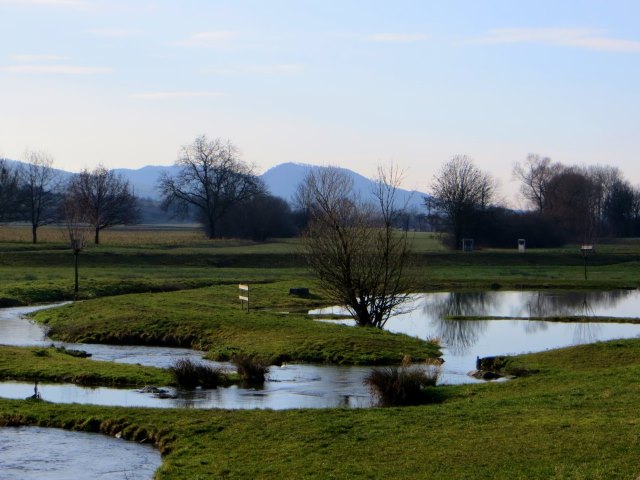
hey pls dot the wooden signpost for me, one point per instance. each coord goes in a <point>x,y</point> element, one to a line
<point>244,296</point>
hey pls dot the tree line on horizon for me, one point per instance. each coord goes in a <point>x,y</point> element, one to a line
<point>35,193</point>
<point>567,204</point>
<point>223,193</point>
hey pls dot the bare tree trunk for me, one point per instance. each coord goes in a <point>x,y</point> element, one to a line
<point>352,247</point>
<point>96,239</point>
<point>75,287</point>
<point>34,234</point>
<point>211,228</point>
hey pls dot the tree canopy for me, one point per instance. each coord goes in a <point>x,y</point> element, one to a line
<point>459,191</point>
<point>351,245</point>
<point>211,179</point>
<point>105,198</point>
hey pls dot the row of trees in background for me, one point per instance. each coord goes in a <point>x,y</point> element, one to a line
<point>213,186</point>
<point>568,204</point>
<point>585,202</point>
<point>216,188</point>
<point>35,193</point>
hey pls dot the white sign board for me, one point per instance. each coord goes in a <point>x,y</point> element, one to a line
<point>244,295</point>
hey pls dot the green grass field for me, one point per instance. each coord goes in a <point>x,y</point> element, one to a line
<point>576,418</point>
<point>156,260</point>
<point>277,328</point>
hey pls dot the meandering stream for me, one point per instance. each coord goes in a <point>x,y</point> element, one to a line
<point>26,453</point>
<point>319,386</point>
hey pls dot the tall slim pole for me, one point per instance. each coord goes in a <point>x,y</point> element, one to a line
<point>585,266</point>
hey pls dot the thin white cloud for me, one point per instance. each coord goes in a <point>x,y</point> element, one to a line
<point>396,37</point>
<point>114,32</point>
<point>386,37</point>
<point>278,69</point>
<point>587,38</point>
<point>31,58</point>
<point>56,69</point>
<point>45,3</point>
<point>208,39</point>
<point>170,95</point>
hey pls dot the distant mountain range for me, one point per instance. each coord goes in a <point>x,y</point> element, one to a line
<point>281,181</point>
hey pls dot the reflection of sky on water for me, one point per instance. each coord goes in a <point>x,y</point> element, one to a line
<point>14,330</point>
<point>319,386</point>
<point>290,386</point>
<point>463,340</point>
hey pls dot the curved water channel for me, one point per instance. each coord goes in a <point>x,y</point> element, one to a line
<point>28,452</point>
<point>34,453</point>
<point>318,386</point>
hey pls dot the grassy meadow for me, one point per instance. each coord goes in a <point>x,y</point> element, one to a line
<point>137,260</point>
<point>276,329</point>
<point>576,417</point>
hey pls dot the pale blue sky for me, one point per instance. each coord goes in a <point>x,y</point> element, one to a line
<point>349,83</point>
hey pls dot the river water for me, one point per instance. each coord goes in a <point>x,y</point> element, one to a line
<point>29,453</point>
<point>32,453</point>
<point>319,386</point>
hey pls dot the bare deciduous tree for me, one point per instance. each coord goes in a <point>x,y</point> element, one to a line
<point>211,180</point>
<point>76,231</point>
<point>604,179</point>
<point>39,184</point>
<point>572,203</point>
<point>535,173</point>
<point>105,198</point>
<point>352,246</point>
<point>619,211</point>
<point>8,192</point>
<point>458,192</point>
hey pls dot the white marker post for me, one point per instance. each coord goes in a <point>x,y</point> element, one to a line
<point>244,296</point>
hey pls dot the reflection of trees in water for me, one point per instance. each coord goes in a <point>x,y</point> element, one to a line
<point>461,304</point>
<point>586,332</point>
<point>534,326</point>
<point>534,304</point>
<point>459,335</point>
<point>547,304</point>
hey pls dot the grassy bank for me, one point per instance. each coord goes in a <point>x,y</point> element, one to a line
<point>277,328</point>
<point>59,366</point>
<point>576,418</point>
<point>167,259</point>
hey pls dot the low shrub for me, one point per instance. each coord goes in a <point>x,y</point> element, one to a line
<point>406,385</point>
<point>251,368</point>
<point>190,374</point>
